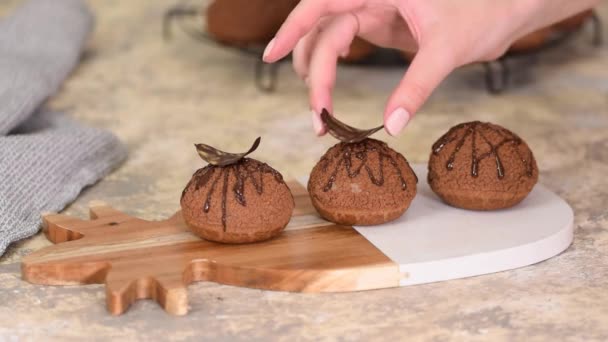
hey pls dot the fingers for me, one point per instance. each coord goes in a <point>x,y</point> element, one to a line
<point>303,52</point>
<point>301,21</point>
<point>331,43</point>
<point>428,69</point>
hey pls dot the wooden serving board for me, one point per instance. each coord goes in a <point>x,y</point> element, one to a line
<point>139,259</point>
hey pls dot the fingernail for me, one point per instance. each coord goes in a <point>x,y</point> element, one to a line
<point>396,121</point>
<point>268,49</point>
<point>317,124</point>
<point>307,81</point>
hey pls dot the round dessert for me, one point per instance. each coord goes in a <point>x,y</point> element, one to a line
<point>362,183</point>
<point>244,22</point>
<point>242,202</point>
<point>481,166</point>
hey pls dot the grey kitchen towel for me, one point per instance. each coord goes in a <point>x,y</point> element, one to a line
<point>39,45</point>
<point>46,159</point>
<point>44,165</point>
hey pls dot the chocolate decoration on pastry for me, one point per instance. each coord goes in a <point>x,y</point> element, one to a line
<point>236,199</point>
<point>216,157</point>
<point>360,181</point>
<point>344,132</point>
<point>481,166</point>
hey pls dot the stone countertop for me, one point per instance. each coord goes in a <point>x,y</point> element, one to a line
<point>160,97</point>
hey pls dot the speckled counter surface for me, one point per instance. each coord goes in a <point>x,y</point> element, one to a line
<point>159,98</point>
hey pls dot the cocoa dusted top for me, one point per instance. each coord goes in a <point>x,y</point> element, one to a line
<point>355,143</point>
<point>217,179</point>
<point>475,131</point>
<point>222,166</point>
<point>345,152</point>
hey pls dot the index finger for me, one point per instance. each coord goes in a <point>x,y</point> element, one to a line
<point>301,21</point>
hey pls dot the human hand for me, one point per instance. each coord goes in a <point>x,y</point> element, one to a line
<point>445,34</point>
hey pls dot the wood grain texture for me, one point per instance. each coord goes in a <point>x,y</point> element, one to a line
<point>138,259</point>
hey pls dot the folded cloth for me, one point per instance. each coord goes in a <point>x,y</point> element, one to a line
<point>46,159</point>
<point>44,166</point>
<point>40,44</point>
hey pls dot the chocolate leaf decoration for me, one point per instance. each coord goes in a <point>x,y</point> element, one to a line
<point>216,157</point>
<point>344,132</point>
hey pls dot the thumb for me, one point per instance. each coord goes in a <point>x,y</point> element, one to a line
<point>428,69</point>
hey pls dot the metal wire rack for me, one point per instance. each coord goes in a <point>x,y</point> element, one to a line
<point>187,15</point>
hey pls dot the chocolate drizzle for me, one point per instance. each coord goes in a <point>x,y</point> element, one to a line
<point>344,154</point>
<point>475,130</point>
<point>244,170</point>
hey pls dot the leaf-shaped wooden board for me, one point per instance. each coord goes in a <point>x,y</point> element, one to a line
<point>139,259</point>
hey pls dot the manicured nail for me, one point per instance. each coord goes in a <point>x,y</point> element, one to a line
<point>396,121</point>
<point>268,49</point>
<point>317,124</point>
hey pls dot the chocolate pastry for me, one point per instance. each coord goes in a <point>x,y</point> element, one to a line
<point>236,199</point>
<point>360,181</point>
<point>245,22</point>
<point>481,166</point>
